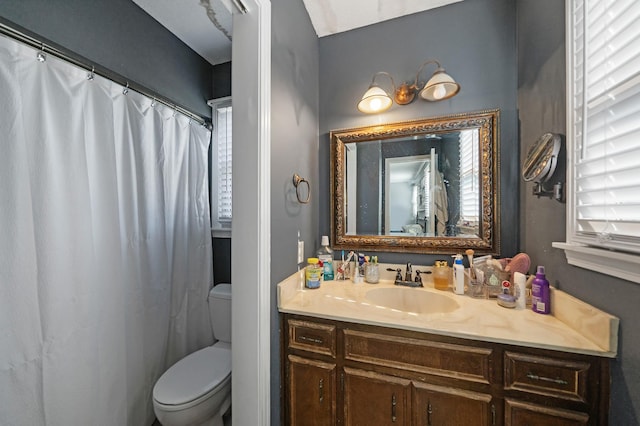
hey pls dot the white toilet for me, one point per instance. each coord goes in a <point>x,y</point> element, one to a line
<point>196,391</point>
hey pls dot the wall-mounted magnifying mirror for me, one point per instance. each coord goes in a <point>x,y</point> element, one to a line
<point>540,164</point>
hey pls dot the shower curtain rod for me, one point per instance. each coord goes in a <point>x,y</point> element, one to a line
<point>110,75</point>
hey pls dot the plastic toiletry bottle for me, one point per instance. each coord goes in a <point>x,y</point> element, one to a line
<point>458,275</point>
<point>313,273</point>
<point>520,286</point>
<point>540,296</point>
<point>325,254</point>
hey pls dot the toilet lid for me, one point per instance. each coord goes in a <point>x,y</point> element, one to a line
<point>193,376</point>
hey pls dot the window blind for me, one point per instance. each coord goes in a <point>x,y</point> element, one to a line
<point>469,173</point>
<point>426,191</point>
<point>223,147</point>
<point>606,120</point>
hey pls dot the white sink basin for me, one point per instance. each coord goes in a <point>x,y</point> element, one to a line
<point>411,300</point>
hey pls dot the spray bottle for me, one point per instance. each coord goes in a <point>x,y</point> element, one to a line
<point>540,295</point>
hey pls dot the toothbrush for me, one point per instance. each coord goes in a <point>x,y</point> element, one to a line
<point>342,267</point>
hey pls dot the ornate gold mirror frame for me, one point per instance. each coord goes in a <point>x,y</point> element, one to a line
<point>487,239</point>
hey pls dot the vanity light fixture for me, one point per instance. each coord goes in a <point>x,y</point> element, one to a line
<point>439,87</point>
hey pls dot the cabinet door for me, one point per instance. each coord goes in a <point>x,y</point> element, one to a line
<point>448,406</point>
<point>312,392</point>
<point>375,399</point>
<point>523,413</point>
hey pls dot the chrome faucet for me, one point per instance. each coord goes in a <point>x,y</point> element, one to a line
<point>408,273</point>
<point>408,280</point>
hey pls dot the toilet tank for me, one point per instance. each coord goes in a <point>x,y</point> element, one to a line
<point>220,311</point>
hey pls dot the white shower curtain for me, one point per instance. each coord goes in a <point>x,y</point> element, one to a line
<point>105,248</point>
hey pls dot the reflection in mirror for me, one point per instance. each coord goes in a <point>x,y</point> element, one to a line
<point>420,186</point>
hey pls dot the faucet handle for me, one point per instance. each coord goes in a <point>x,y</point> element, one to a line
<point>398,272</point>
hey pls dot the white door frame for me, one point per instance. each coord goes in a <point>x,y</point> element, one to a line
<point>251,228</point>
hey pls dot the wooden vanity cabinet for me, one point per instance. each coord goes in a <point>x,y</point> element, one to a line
<point>312,391</point>
<point>375,399</point>
<point>549,388</point>
<point>311,378</point>
<point>337,373</point>
<point>442,406</point>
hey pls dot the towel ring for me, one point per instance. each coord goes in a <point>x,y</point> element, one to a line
<point>297,180</point>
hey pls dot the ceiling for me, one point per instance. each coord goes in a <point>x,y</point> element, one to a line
<point>206,25</point>
<point>335,16</point>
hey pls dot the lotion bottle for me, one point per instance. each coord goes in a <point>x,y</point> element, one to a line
<point>540,295</point>
<point>458,275</point>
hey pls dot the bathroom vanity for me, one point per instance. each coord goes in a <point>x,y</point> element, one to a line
<point>357,354</point>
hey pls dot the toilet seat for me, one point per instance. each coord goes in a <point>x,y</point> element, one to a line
<point>194,378</point>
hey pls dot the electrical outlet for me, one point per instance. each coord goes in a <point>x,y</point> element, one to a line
<point>300,251</point>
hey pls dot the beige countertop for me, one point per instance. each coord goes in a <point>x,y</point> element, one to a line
<point>574,326</point>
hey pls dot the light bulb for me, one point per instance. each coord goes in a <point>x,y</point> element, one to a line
<point>376,104</point>
<point>439,92</point>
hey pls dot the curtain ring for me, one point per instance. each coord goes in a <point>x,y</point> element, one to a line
<point>41,55</point>
<point>297,180</point>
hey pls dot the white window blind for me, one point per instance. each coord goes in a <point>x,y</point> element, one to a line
<point>426,191</point>
<point>607,123</point>
<point>603,136</point>
<point>469,182</point>
<point>221,159</point>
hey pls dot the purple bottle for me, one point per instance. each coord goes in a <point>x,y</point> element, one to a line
<point>540,296</point>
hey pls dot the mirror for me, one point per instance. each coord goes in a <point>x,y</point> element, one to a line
<point>422,186</point>
<point>541,159</point>
<point>540,164</point>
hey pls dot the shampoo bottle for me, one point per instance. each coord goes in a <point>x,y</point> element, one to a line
<point>540,296</point>
<point>458,275</point>
<point>325,254</point>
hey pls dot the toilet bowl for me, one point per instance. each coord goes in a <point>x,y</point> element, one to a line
<point>196,391</point>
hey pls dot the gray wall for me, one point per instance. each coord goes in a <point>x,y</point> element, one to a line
<point>541,103</point>
<point>294,149</point>
<point>121,37</point>
<point>474,40</point>
<point>221,80</point>
<point>221,246</point>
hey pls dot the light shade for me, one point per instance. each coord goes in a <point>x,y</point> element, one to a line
<point>440,86</point>
<point>375,100</point>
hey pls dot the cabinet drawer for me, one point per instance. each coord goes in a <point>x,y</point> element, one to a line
<point>312,336</point>
<point>547,376</point>
<point>435,358</point>
<point>523,413</point>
